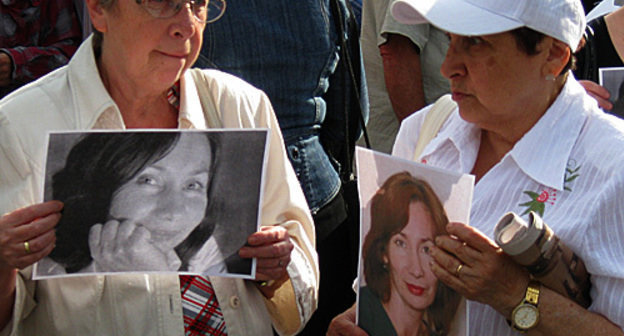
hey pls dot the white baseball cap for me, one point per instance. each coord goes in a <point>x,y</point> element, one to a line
<point>563,20</point>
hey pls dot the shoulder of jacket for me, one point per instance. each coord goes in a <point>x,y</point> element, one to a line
<point>223,81</point>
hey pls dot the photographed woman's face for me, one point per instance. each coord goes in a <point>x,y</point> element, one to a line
<point>412,280</point>
<point>168,197</point>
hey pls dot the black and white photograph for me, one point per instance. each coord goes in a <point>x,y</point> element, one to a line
<point>404,206</point>
<point>154,201</point>
<point>612,79</point>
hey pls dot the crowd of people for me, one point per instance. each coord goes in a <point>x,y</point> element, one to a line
<point>530,122</point>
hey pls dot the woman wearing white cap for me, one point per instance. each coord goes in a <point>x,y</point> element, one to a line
<point>534,141</point>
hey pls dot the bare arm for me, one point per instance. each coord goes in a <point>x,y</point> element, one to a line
<point>599,93</point>
<point>561,316</point>
<point>491,277</point>
<point>403,76</point>
<point>35,225</point>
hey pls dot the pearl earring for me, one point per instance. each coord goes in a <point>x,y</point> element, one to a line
<point>550,77</point>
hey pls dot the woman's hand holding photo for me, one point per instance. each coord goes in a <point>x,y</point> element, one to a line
<point>272,246</point>
<point>474,266</point>
<point>27,234</point>
<point>344,325</point>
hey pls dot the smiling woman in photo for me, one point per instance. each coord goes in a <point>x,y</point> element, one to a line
<point>136,202</point>
<point>403,296</point>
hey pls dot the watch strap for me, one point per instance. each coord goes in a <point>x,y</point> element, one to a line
<point>531,297</point>
<point>532,293</point>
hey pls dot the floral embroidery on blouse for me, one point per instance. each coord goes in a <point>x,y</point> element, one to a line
<point>571,174</point>
<point>539,200</point>
<point>549,195</point>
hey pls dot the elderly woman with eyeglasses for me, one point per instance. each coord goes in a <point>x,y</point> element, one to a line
<point>133,73</point>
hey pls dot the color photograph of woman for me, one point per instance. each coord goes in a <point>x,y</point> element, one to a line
<point>403,296</point>
<point>398,292</point>
<point>145,201</point>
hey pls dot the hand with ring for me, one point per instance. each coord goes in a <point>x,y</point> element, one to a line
<point>474,266</point>
<point>458,269</point>
<point>27,234</point>
<point>272,247</point>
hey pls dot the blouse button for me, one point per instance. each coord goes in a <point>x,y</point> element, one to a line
<point>234,302</point>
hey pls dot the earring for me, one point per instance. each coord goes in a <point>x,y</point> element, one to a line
<point>550,77</point>
<point>384,266</point>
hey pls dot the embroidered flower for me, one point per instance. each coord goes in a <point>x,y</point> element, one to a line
<point>570,174</point>
<point>549,195</point>
<point>538,201</point>
<point>543,197</point>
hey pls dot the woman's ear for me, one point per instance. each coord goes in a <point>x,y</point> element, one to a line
<point>558,56</point>
<point>97,15</point>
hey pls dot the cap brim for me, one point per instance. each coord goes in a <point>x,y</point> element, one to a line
<point>457,17</point>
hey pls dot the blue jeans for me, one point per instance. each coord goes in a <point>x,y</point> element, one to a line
<point>289,50</point>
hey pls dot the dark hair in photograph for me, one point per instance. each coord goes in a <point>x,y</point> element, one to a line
<point>99,164</point>
<point>389,215</point>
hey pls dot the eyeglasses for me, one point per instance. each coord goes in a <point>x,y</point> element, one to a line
<point>205,11</point>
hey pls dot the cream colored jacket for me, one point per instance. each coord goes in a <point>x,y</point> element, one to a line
<point>74,98</point>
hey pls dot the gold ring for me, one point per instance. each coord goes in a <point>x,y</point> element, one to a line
<point>265,283</point>
<point>27,247</point>
<point>458,269</point>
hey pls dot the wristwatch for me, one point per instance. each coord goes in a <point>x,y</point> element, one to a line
<point>526,315</point>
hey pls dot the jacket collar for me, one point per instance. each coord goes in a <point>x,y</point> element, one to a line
<point>191,110</point>
<point>89,94</point>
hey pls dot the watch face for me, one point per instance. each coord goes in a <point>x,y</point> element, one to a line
<point>525,316</point>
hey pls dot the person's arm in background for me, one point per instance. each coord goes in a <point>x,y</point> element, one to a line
<point>403,76</point>
<point>597,37</point>
<point>59,37</point>
<point>599,93</point>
